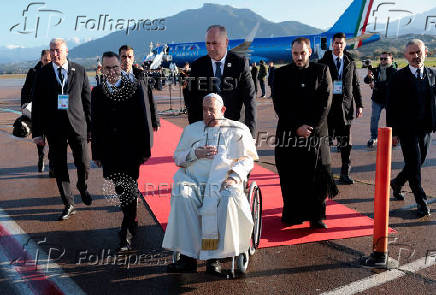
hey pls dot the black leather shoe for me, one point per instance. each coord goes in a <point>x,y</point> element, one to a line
<point>51,172</point>
<point>68,211</point>
<point>396,191</point>
<point>213,266</point>
<point>86,197</point>
<point>345,179</point>
<point>318,224</point>
<point>41,164</point>
<point>422,210</point>
<point>184,264</point>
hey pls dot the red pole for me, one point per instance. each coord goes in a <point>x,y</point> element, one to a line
<point>381,198</point>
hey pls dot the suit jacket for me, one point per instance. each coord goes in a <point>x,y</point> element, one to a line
<point>296,105</point>
<point>46,118</point>
<point>401,102</point>
<point>380,87</point>
<point>150,105</point>
<point>343,106</point>
<point>121,131</point>
<point>237,88</point>
<point>26,90</point>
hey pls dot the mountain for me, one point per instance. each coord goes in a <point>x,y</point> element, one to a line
<point>394,45</point>
<point>189,26</point>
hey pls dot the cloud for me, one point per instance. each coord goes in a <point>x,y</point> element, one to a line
<point>75,40</point>
<point>13,46</point>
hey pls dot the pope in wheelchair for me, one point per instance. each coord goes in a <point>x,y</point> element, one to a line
<point>210,215</point>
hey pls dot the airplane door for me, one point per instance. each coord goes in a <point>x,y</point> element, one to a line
<point>320,46</point>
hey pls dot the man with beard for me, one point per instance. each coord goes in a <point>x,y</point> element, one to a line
<point>302,99</point>
<point>121,137</point>
<point>411,112</point>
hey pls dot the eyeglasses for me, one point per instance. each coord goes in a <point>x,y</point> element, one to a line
<point>383,58</point>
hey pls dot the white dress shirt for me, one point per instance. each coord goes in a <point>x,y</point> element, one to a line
<point>64,72</point>
<point>341,58</point>
<point>414,70</point>
<point>223,60</point>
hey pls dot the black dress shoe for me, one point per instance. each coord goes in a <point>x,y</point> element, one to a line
<point>213,266</point>
<point>184,264</point>
<point>68,211</point>
<point>396,191</point>
<point>318,224</point>
<point>422,210</point>
<point>86,197</point>
<point>41,164</point>
<point>345,179</point>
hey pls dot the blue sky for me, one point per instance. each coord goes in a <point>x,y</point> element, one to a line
<point>318,13</point>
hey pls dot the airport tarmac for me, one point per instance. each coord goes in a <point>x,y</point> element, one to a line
<point>30,204</point>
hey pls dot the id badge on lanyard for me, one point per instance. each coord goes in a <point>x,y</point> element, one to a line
<point>63,98</point>
<point>337,87</point>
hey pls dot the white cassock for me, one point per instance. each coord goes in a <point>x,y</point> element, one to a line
<point>200,208</point>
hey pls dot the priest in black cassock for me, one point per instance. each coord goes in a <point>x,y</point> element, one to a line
<point>302,99</point>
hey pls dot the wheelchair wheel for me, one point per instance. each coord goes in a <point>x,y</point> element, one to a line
<point>243,259</point>
<point>255,200</point>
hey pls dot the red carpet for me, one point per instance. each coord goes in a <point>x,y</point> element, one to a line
<point>155,182</point>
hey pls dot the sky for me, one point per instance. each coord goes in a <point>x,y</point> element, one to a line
<point>317,13</point>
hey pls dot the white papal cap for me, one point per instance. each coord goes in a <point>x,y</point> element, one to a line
<point>218,99</point>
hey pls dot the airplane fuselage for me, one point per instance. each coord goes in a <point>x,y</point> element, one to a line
<point>277,49</point>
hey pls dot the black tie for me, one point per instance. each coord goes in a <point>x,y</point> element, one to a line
<point>338,66</point>
<point>418,74</point>
<point>218,73</point>
<point>61,76</point>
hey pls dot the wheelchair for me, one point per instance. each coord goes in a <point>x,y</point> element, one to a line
<point>254,197</point>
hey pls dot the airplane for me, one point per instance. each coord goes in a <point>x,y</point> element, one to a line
<point>353,22</point>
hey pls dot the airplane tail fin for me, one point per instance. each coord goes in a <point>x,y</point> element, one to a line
<point>354,20</point>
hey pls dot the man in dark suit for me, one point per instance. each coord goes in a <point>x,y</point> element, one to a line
<point>411,112</point>
<point>302,99</point>
<point>62,110</point>
<point>378,79</point>
<point>122,136</point>
<point>127,57</point>
<point>347,101</point>
<point>26,98</point>
<point>254,71</point>
<point>225,73</point>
